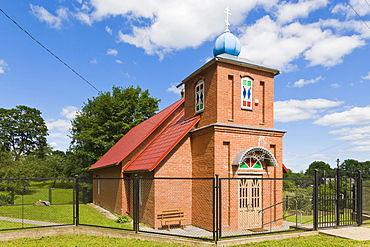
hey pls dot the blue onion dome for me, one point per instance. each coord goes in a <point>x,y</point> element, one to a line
<point>227,43</point>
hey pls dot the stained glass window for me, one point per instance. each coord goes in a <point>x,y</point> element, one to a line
<point>199,96</point>
<point>246,93</point>
<point>251,163</point>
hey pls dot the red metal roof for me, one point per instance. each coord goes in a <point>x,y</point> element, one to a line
<point>157,150</point>
<point>285,169</point>
<point>134,138</point>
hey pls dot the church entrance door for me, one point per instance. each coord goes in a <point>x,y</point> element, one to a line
<point>250,202</point>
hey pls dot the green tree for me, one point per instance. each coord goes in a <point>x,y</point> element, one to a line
<point>52,165</point>
<point>350,168</point>
<point>323,168</point>
<point>104,119</point>
<point>22,131</point>
<point>366,169</point>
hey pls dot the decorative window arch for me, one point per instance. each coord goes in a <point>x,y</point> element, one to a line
<point>246,93</point>
<point>254,158</point>
<point>199,96</point>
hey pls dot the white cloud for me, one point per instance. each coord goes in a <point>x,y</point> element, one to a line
<point>353,116</point>
<point>63,125</point>
<point>69,112</point>
<point>84,18</point>
<point>59,141</point>
<point>119,61</point>
<point>53,144</point>
<point>112,52</point>
<point>54,21</point>
<point>270,43</point>
<point>330,50</point>
<point>94,60</point>
<point>367,77</point>
<point>60,124</point>
<point>3,66</point>
<point>295,110</point>
<point>108,30</point>
<point>352,134</point>
<point>361,7</point>
<point>278,39</point>
<point>58,129</point>
<point>174,89</point>
<point>303,82</point>
<point>288,12</point>
<point>335,85</point>
<point>165,22</point>
<point>348,26</point>
<point>128,76</point>
<point>358,149</point>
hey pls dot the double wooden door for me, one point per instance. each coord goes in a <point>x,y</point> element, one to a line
<point>250,202</point>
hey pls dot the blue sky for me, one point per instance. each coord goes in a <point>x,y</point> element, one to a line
<point>321,48</point>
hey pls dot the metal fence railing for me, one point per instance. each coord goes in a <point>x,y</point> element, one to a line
<point>210,208</point>
<point>32,203</point>
<point>366,201</point>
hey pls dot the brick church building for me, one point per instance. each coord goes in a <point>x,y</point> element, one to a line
<point>223,124</point>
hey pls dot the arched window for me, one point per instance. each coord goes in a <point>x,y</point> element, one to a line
<point>246,93</point>
<point>199,96</point>
<point>254,158</point>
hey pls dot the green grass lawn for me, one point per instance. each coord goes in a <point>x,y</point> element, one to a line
<point>304,219</point>
<point>83,240</point>
<point>55,213</point>
<point>61,214</point>
<point>314,241</point>
<point>13,225</point>
<point>54,195</point>
<point>56,191</point>
<point>90,216</point>
<point>308,219</point>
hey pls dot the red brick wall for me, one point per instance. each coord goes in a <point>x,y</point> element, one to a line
<point>229,96</point>
<point>222,84</point>
<point>174,193</point>
<point>215,147</point>
<point>209,115</point>
<point>107,193</point>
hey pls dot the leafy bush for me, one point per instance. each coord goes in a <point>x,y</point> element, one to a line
<point>124,219</point>
<point>6,198</point>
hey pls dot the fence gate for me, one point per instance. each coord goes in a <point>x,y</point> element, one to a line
<point>339,200</point>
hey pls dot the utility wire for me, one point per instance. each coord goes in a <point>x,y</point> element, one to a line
<point>358,14</point>
<point>60,60</point>
<point>367,3</point>
<point>317,152</point>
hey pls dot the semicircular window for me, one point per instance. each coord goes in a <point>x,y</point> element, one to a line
<point>251,163</point>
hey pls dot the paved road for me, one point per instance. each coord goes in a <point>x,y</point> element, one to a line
<point>31,222</point>
<point>355,233</point>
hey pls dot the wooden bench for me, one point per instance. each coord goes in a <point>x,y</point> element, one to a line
<point>172,215</point>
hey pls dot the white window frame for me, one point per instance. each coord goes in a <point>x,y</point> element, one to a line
<point>200,82</point>
<point>250,88</point>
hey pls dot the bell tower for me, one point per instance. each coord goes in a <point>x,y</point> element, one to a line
<point>234,98</point>
<point>230,89</point>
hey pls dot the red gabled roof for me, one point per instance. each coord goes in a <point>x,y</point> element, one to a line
<point>285,169</point>
<point>134,138</point>
<point>157,150</point>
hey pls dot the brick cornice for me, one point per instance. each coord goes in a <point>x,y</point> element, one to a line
<point>236,128</point>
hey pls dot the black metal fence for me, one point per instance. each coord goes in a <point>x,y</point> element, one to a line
<point>200,208</point>
<point>25,203</point>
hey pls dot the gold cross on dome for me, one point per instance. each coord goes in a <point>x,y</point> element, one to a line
<point>227,12</point>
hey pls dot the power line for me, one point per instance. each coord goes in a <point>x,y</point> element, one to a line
<point>317,152</point>
<point>367,3</point>
<point>60,60</point>
<point>358,14</point>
